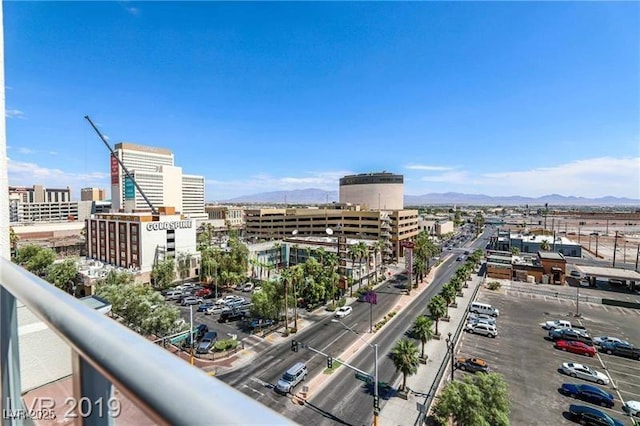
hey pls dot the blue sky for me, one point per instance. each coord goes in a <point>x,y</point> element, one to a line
<point>495,98</point>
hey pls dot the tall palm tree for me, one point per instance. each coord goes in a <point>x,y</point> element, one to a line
<point>353,251</point>
<point>378,246</point>
<point>544,246</point>
<point>405,358</point>
<point>297,277</point>
<point>363,253</point>
<point>438,309</point>
<point>419,269</point>
<point>448,293</point>
<point>422,331</point>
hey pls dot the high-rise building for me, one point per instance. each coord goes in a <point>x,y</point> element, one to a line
<point>92,194</point>
<point>161,181</point>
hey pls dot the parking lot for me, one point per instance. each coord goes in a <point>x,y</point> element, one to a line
<point>225,330</point>
<point>531,365</point>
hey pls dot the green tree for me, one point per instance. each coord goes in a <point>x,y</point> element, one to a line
<point>267,303</point>
<point>63,275</point>
<point>477,400</point>
<point>163,273</point>
<point>545,246</point>
<point>448,293</point>
<point>35,259</point>
<point>422,331</point>
<point>13,241</point>
<point>405,358</point>
<point>515,251</point>
<point>184,265</point>
<point>437,309</point>
<point>144,309</point>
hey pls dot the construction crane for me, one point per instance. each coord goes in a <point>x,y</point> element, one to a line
<point>113,154</point>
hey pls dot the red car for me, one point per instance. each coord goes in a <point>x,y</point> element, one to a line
<point>204,292</point>
<point>575,347</point>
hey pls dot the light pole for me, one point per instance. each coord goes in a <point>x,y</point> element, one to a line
<point>376,398</point>
<point>450,347</point>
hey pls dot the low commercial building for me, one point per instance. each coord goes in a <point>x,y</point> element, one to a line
<point>137,241</point>
<point>543,268</point>
<point>92,194</point>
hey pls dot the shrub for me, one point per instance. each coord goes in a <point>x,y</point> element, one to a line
<point>494,285</point>
<point>342,302</point>
<point>226,344</point>
<point>331,307</point>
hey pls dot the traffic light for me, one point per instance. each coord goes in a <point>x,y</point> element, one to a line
<point>329,362</point>
<point>294,345</point>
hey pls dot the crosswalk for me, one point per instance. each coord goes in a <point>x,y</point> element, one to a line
<point>571,302</point>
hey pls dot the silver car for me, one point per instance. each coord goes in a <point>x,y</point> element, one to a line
<point>606,339</point>
<point>484,329</point>
<point>584,372</point>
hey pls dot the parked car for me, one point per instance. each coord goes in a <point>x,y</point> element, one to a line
<point>207,342</point>
<point>204,307</point>
<point>575,273</point>
<point>598,341</point>
<point>571,334</point>
<point>484,329</point>
<point>551,325</point>
<point>588,393</point>
<point>472,365</point>
<point>591,416</point>
<point>473,316</point>
<point>632,408</point>
<point>232,315</point>
<point>191,300</point>
<point>487,321</point>
<point>228,299</point>
<point>343,311</point>
<point>575,347</point>
<point>203,292</point>
<point>173,295</point>
<point>238,287</point>
<point>248,287</point>
<point>257,289</point>
<point>584,372</point>
<point>217,309</point>
<point>621,349</point>
<point>260,323</point>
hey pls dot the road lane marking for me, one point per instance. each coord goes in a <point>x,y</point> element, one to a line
<point>253,390</point>
<point>260,381</point>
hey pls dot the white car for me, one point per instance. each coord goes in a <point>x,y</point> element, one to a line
<point>474,316</point>
<point>552,325</point>
<point>247,287</point>
<point>484,329</point>
<point>487,321</point>
<point>632,408</point>
<point>584,372</point>
<point>344,311</point>
<point>606,339</point>
<point>227,299</point>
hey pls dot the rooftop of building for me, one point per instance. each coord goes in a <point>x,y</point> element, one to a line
<point>551,255</point>
<point>143,148</point>
<point>540,238</point>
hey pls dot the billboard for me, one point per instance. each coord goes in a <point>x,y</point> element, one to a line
<point>115,170</point>
<point>129,189</point>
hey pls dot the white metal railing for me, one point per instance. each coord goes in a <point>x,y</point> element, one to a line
<point>166,388</point>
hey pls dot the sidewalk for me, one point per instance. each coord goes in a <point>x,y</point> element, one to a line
<point>398,411</point>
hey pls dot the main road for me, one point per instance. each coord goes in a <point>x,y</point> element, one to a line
<point>344,400</point>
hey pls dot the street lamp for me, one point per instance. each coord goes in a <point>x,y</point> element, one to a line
<point>450,347</point>
<point>376,397</point>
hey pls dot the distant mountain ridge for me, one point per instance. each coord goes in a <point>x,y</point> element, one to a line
<point>320,196</point>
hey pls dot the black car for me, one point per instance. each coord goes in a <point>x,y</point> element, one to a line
<point>592,416</point>
<point>260,323</point>
<point>233,315</point>
<point>588,393</point>
<point>472,365</point>
<point>199,332</point>
<point>620,349</point>
<point>570,335</point>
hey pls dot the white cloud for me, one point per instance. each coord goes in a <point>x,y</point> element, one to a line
<point>14,113</point>
<point>593,177</point>
<point>449,177</point>
<point>27,174</point>
<point>425,167</point>
<point>133,10</point>
<point>26,151</point>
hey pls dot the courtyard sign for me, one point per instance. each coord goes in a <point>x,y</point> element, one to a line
<point>164,226</point>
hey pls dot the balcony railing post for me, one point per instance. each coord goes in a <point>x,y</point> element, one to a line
<point>10,393</point>
<point>92,395</point>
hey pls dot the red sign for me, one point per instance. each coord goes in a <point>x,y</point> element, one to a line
<point>407,244</point>
<point>115,170</point>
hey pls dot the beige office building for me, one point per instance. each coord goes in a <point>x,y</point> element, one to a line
<point>40,194</point>
<point>348,220</point>
<point>92,194</point>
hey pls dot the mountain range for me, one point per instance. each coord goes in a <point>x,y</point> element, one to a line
<point>320,196</point>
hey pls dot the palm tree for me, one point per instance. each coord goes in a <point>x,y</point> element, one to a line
<point>363,253</point>
<point>438,309</point>
<point>422,331</point>
<point>405,358</point>
<point>544,246</point>
<point>419,269</point>
<point>448,293</point>
<point>14,238</point>
<point>378,246</point>
<point>353,251</point>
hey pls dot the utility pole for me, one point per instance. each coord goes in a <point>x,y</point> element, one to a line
<point>637,257</point>
<point>597,235</point>
<point>191,360</point>
<point>615,248</point>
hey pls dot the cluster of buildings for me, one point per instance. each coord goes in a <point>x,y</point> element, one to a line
<point>157,211</point>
